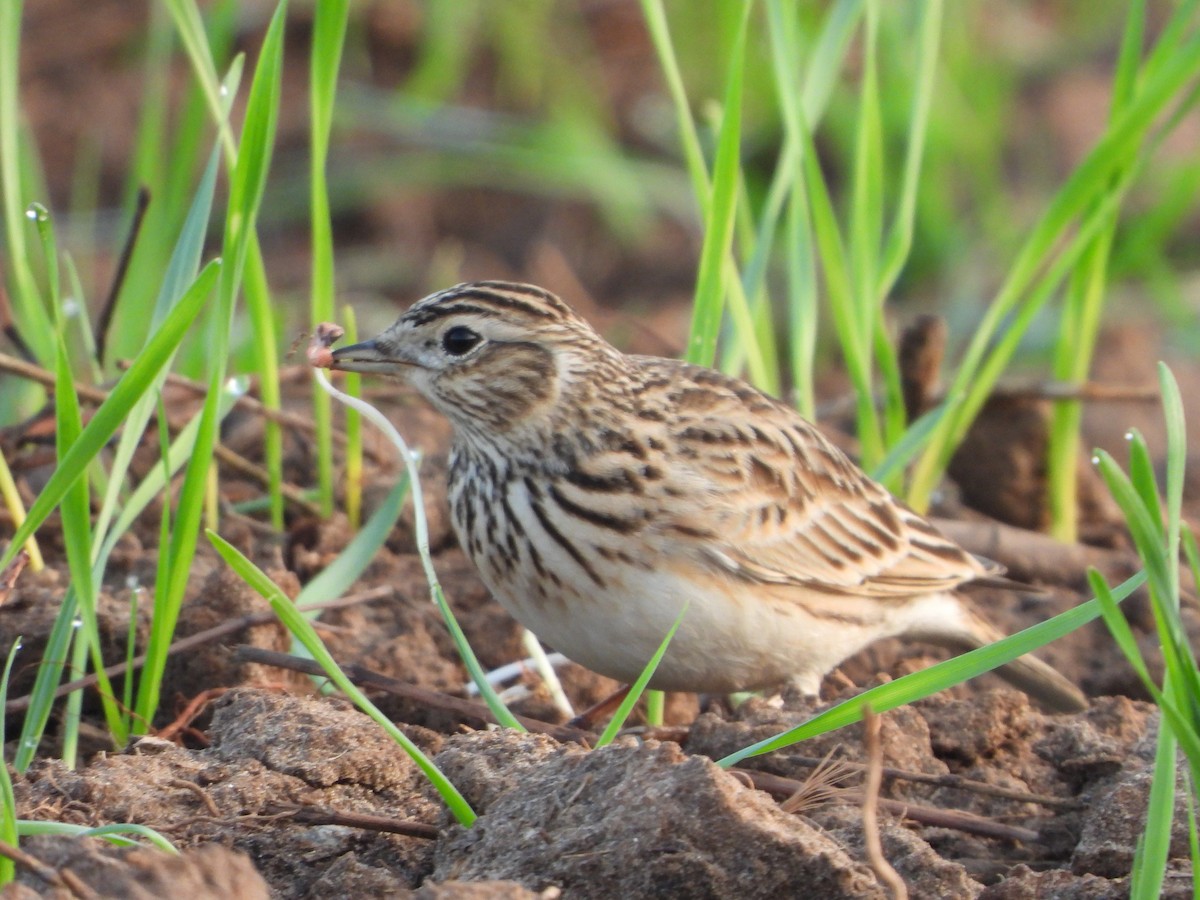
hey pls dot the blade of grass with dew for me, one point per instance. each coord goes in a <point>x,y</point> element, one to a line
<point>181,271</point>
<point>299,626</point>
<point>77,538</point>
<point>329,35</point>
<point>49,676</point>
<point>247,183</point>
<point>190,26</point>
<point>617,722</point>
<point>502,713</point>
<point>32,318</point>
<point>8,800</point>
<point>938,677</point>
<point>112,411</point>
<point>113,834</point>
<point>1174,718</point>
<point>1158,548</point>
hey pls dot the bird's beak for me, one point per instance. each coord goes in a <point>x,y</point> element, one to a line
<point>367,356</point>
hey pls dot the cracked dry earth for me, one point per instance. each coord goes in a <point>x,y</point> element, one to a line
<point>274,791</point>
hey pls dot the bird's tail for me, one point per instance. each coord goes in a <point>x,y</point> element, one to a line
<point>1028,673</point>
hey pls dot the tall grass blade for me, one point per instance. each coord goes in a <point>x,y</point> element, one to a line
<point>111,413</point>
<point>299,626</point>
<point>247,182</point>
<point>617,722</point>
<point>8,800</point>
<point>918,685</point>
<point>329,34</point>
<point>708,306</point>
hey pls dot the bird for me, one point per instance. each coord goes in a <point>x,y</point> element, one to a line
<point>601,494</point>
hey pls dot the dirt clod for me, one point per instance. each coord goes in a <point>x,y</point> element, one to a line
<point>647,820</point>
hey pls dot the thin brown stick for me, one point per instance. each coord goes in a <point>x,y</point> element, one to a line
<point>883,869</point>
<point>20,704</point>
<point>1086,392</point>
<point>190,713</point>
<point>33,372</point>
<point>468,709</point>
<point>320,815</point>
<point>9,326</point>
<point>201,794</point>
<point>254,405</point>
<point>95,395</point>
<point>114,290</point>
<point>968,823</point>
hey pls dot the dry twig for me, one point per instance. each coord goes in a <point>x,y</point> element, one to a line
<point>883,869</point>
<point>20,704</point>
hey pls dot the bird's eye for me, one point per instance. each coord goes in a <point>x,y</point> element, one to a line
<point>459,340</point>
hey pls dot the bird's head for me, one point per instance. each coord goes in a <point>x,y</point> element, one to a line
<point>490,356</point>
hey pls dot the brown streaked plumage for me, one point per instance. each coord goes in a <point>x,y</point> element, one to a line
<point>598,493</point>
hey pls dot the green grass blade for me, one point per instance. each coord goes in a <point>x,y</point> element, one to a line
<point>900,236</point>
<point>266,363</point>
<point>329,34</point>
<point>299,626</point>
<point>708,306</point>
<point>1154,849</point>
<point>114,834</point>
<point>247,182</point>
<point>918,685</point>
<point>181,271</point>
<point>336,578</point>
<point>112,411</point>
<point>49,675</point>
<point>693,155</point>
<point>29,308</point>
<point>1089,192</point>
<point>1172,404</point>
<point>617,722</point>
<point>190,26</point>
<point>8,800</point>
<point>77,538</point>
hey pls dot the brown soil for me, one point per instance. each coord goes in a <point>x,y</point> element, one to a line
<point>260,783</point>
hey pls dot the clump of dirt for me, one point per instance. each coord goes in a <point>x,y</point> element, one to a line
<point>571,820</point>
<point>271,754</point>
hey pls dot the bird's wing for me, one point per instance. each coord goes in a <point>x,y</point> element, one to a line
<point>762,494</point>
